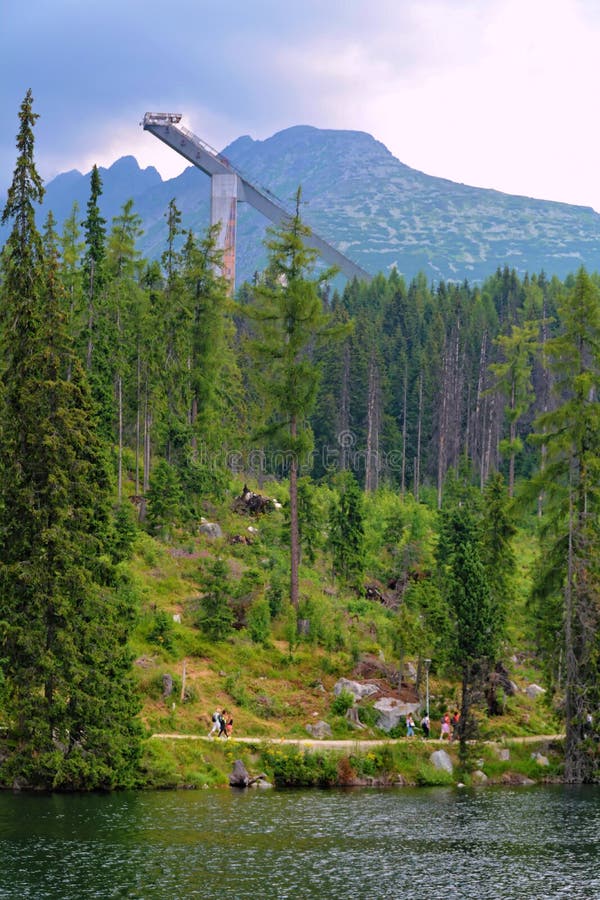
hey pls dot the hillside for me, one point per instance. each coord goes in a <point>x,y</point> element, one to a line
<point>276,682</point>
<point>359,197</point>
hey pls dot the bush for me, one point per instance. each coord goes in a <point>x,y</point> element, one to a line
<point>342,703</point>
<point>161,631</point>
<point>259,621</point>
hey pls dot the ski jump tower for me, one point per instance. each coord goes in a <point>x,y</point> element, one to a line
<point>228,188</point>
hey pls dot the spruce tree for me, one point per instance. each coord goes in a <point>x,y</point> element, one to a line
<point>570,482</point>
<point>289,320</point>
<point>64,616</point>
<point>346,531</point>
<point>465,585</point>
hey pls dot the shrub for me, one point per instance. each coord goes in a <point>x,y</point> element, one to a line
<point>161,631</point>
<point>342,703</point>
<point>259,621</point>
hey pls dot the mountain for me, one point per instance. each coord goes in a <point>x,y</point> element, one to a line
<point>362,200</point>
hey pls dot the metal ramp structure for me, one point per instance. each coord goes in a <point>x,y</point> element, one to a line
<point>230,187</point>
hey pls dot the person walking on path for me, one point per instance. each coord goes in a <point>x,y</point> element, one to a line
<point>223,724</point>
<point>410,726</point>
<point>425,725</point>
<point>445,733</point>
<point>216,724</point>
<point>455,721</point>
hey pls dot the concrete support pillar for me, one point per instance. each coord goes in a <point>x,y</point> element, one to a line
<point>223,212</point>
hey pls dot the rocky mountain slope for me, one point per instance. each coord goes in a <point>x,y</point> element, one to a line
<point>363,200</point>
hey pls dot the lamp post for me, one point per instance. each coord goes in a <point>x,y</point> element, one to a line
<point>427,663</point>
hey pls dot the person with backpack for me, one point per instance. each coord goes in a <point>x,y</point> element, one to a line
<point>216,722</point>
<point>223,724</point>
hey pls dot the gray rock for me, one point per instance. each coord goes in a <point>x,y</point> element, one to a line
<point>357,690</point>
<point>540,759</point>
<point>534,691</point>
<point>262,783</point>
<point>239,777</point>
<point>167,683</point>
<point>392,712</point>
<point>503,753</point>
<point>410,671</point>
<point>210,529</point>
<point>479,777</point>
<point>439,759</point>
<point>319,730</point>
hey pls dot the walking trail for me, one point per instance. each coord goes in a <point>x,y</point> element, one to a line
<point>350,744</point>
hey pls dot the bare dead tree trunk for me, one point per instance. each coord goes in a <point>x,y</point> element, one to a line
<point>480,409</point>
<point>373,427</point>
<point>404,417</point>
<point>294,531</point>
<point>417,472</point>
<point>343,435</point>
<point>443,426</point>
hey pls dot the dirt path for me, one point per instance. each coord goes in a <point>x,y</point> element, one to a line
<point>350,744</point>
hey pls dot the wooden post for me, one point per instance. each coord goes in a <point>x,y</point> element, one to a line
<point>183,682</point>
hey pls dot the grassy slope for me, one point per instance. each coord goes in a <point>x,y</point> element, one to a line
<point>272,690</point>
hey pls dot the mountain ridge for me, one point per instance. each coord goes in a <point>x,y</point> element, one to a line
<point>362,199</point>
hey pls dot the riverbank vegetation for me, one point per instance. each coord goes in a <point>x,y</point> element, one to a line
<point>214,503</point>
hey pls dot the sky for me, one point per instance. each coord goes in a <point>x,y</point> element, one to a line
<point>493,93</point>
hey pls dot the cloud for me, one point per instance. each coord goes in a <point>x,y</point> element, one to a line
<point>496,93</point>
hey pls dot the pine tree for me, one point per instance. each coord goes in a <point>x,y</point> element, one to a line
<point>99,332</point>
<point>570,482</point>
<point>64,616</point>
<point>467,591</point>
<point>289,320</point>
<point>347,532</point>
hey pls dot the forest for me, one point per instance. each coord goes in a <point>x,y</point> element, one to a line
<point>410,440</point>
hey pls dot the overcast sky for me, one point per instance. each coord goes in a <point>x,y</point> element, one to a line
<point>493,93</point>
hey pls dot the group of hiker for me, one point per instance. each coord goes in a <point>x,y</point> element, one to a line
<point>222,723</point>
<point>448,725</point>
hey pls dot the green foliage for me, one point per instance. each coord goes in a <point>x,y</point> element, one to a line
<point>161,631</point>
<point>293,767</point>
<point>215,615</point>
<point>346,531</point>
<point>259,621</point>
<point>342,703</point>
<point>165,497</point>
<point>65,612</point>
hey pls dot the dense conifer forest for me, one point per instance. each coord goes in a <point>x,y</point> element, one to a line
<point>428,456</point>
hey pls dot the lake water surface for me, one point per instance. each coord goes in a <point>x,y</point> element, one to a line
<point>526,843</point>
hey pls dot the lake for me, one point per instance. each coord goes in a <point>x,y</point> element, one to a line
<point>529,843</point>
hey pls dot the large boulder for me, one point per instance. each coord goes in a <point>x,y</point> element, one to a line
<point>239,777</point>
<point>319,730</point>
<point>439,759</point>
<point>358,691</point>
<point>540,759</point>
<point>534,691</point>
<point>392,712</point>
<point>210,529</point>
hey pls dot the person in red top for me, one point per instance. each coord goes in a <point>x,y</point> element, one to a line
<point>455,721</point>
<point>445,726</point>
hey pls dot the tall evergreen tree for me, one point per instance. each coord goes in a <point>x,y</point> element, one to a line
<point>289,320</point>
<point>70,703</point>
<point>467,591</point>
<point>570,482</point>
<point>347,532</point>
